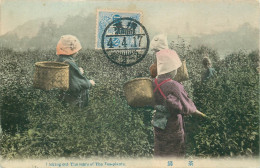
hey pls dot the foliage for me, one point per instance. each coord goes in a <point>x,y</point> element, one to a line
<point>107,127</point>
<point>37,124</point>
<point>193,57</point>
<point>230,100</point>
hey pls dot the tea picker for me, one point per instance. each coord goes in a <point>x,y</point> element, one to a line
<point>78,92</point>
<point>65,73</point>
<point>168,98</point>
<point>209,70</point>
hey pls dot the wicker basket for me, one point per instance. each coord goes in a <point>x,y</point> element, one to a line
<point>49,75</point>
<point>139,92</point>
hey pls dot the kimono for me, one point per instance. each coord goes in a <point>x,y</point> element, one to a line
<point>209,73</point>
<point>172,102</point>
<point>79,85</point>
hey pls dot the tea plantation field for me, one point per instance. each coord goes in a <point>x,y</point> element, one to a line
<point>36,124</point>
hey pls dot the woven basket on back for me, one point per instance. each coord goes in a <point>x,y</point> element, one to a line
<point>49,75</point>
<point>139,92</point>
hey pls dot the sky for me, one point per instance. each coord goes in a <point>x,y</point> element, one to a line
<point>183,17</point>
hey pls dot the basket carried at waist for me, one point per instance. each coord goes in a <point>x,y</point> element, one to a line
<point>139,92</point>
<point>49,75</point>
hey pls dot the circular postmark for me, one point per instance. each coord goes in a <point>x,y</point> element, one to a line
<point>125,41</point>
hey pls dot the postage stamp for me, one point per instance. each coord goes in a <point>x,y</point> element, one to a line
<point>104,17</point>
<point>125,41</point>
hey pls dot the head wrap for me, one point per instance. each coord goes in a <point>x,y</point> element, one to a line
<point>167,61</point>
<point>68,45</point>
<point>206,62</point>
<point>159,42</point>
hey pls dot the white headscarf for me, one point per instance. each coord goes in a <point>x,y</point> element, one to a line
<point>167,61</point>
<point>159,42</point>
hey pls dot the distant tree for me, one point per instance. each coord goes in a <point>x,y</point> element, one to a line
<point>47,36</point>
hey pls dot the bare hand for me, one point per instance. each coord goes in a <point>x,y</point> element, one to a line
<point>92,82</point>
<point>81,70</point>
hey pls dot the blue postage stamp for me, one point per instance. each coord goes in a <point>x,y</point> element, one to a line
<point>104,17</point>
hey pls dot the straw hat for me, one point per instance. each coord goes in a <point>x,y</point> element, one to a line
<point>68,45</point>
<point>167,61</point>
<point>159,42</point>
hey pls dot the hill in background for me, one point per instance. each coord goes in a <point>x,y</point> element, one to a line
<point>45,33</point>
<point>244,38</point>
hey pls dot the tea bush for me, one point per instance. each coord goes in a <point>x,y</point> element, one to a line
<point>37,124</point>
<point>107,127</point>
<point>193,57</point>
<point>230,100</point>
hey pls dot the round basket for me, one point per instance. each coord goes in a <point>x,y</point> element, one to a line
<point>139,92</point>
<point>49,75</point>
